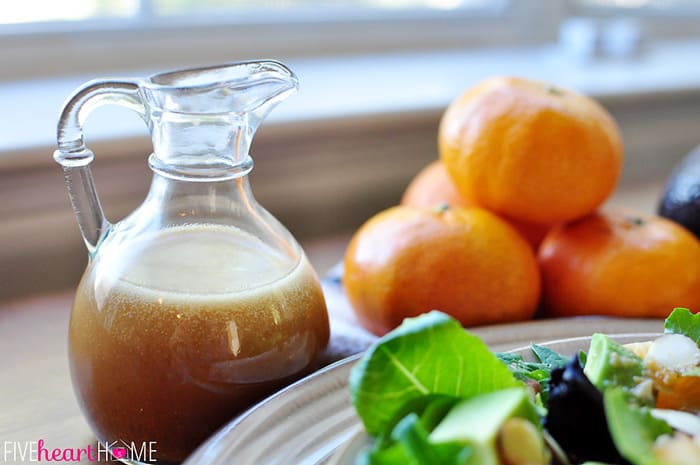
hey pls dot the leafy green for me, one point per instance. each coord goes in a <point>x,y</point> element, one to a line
<point>583,358</point>
<point>411,446</point>
<point>522,369</point>
<point>682,321</point>
<point>549,357</point>
<point>394,455</point>
<point>414,440</point>
<point>430,354</point>
<point>539,371</point>
<point>431,409</point>
<point>632,427</point>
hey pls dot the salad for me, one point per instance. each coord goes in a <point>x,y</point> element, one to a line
<point>431,393</point>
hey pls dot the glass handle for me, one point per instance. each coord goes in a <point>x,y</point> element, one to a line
<point>75,157</point>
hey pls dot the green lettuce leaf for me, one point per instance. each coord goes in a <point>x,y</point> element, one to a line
<point>430,409</point>
<point>682,321</point>
<point>430,354</point>
<point>633,428</point>
<point>411,446</point>
<point>539,371</point>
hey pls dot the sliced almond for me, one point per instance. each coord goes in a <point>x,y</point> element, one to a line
<point>520,443</point>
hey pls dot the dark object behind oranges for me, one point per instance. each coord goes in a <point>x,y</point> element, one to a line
<point>681,199</point>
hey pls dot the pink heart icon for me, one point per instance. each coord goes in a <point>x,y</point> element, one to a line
<point>119,452</point>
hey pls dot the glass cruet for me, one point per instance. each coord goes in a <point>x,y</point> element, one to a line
<point>199,302</point>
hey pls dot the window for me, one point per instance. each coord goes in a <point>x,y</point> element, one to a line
<point>46,38</point>
<point>39,11</point>
<point>617,22</point>
<point>667,7</point>
<point>317,7</point>
<point>42,11</point>
<point>92,37</point>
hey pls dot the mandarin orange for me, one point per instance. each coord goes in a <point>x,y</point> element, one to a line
<point>531,151</point>
<point>433,186</point>
<point>620,264</point>
<point>682,394</point>
<point>466,262</point>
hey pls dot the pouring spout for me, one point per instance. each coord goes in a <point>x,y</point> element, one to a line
<point>208,116</point>
<point>244,87</point>
<point>273,82</point>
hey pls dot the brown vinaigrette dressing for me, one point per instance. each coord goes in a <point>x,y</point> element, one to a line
<point>205,322</point>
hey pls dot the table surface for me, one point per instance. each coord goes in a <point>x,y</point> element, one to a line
<point>36,396</point>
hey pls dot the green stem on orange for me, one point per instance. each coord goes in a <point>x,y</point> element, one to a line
<point>555,91</point>
<point>442,207</point>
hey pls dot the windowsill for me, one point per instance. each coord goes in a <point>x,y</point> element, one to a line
<point>333,88</point>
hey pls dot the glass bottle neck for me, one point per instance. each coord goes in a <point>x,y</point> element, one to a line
<point>212,147</point>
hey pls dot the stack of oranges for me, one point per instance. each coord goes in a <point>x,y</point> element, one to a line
<point>507,222</point>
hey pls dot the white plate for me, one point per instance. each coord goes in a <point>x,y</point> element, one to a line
<point>311,420</point>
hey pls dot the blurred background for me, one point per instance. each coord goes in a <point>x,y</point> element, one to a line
<point>375,76</point>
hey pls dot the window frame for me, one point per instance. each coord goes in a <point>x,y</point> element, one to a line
<point>108,46</point>
<point>655,23</point>
<point>101,47</point>
<point>637,12</point>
